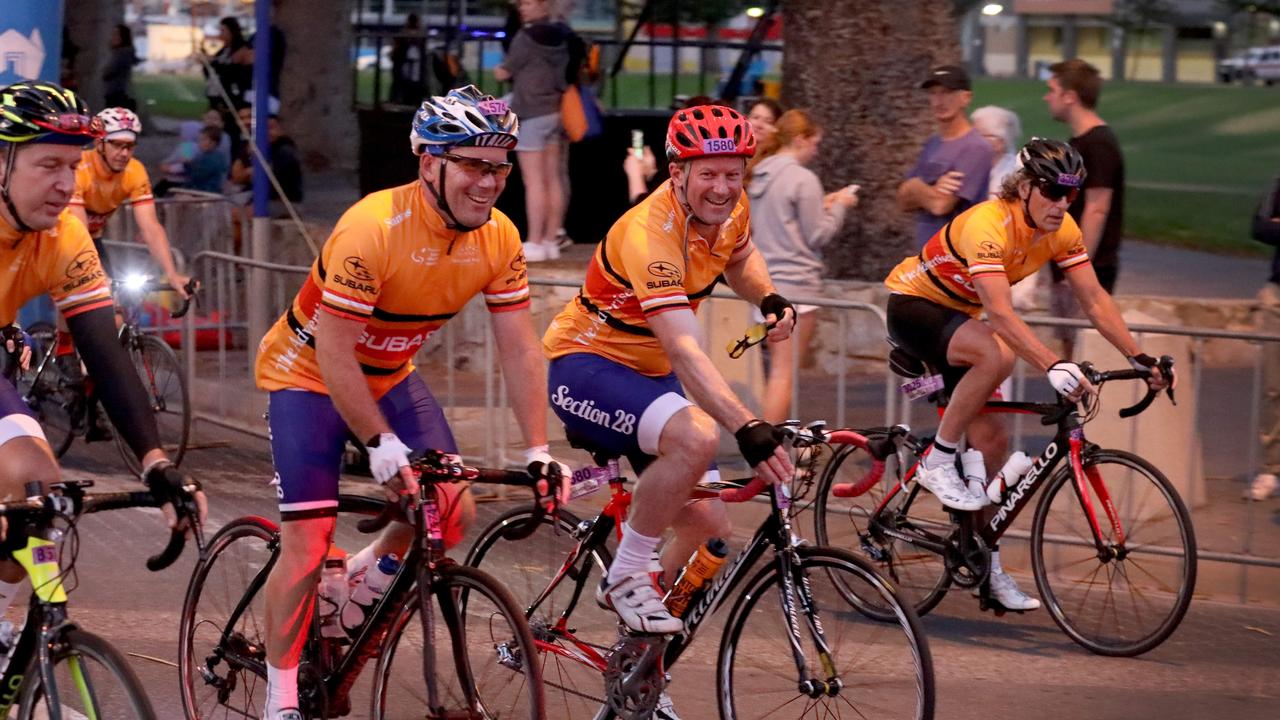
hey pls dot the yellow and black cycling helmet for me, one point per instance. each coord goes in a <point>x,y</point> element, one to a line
<point>40,112</point>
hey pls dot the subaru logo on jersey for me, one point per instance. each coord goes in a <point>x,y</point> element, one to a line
<point>719,145</point>
<point>1068,180</point>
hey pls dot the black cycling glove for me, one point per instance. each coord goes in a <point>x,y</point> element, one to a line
<point>775,305</point>
<point>757,440</point>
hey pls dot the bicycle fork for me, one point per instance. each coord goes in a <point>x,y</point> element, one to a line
<point>793,585</point>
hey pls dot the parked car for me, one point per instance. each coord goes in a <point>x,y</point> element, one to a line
<point>1253,64</point>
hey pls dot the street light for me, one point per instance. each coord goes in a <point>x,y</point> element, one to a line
<point>992,9</point>
<point>755,12</point>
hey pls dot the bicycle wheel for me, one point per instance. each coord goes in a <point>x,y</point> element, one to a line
<point>91,679</point>
<point>885,669</point>
<point>475,628</point>
<point>919,575</point>
<point>228,679</point>
<point>572,655</point>
<point>46,390</point>
<point>166,386</point>
<point>1129,600</point>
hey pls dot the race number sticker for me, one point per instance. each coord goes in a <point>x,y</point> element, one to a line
<point>719,145</point>
<point>922,386</point>
<point>492,107</point>
<point>45,554</point>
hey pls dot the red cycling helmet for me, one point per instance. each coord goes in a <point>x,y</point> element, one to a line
<point>709,131</point>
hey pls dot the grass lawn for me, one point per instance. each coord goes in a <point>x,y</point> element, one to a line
<point>1197,157</point>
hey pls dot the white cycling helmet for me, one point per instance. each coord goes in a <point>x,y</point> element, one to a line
<point>463,117</point>
<point>120,123</point>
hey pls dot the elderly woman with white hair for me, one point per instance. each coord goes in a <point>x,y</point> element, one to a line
<point>1002,129</point>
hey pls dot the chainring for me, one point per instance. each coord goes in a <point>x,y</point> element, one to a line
<point>631,690</point>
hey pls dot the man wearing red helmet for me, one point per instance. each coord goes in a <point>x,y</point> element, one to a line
<point>624,351</point>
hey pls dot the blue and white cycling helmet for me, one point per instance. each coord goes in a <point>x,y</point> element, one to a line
<point>463,117</point>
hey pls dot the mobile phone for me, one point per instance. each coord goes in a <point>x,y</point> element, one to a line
<point>637,143</point>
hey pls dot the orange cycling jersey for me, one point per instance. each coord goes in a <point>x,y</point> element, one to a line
<point>392,264</point>
<point>101,191</point>
<point>59,261</point>
<point>642,268</point>
<point>990,237</point>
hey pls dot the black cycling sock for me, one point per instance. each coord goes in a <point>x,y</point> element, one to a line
<point>945,453</point>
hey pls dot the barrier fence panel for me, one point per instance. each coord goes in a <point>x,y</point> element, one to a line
<point>852,388</point>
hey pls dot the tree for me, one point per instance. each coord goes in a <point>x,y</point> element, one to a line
<point>856,66</point>
<point>89,25</point>
<point>316,81</point>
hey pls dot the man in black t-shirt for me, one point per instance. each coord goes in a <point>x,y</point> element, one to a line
<point>1072,98</point>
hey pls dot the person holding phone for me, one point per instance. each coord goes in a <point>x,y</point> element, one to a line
<point>950,176</point>
<point>640,167</point>
<point>791,220</point>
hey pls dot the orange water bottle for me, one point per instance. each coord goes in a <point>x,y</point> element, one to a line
<point>702,566</point>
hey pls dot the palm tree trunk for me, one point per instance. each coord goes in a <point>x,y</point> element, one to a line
<point>855,65</point>
<point>317,83</point>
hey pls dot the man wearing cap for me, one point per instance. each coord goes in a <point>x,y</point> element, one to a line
<point>950,176</point>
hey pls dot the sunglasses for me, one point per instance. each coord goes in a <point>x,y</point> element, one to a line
<point>122,144</point>
<point>1055,192</point>
<point>72,123</point>
<point>755,335</point>
<point>476,166</point>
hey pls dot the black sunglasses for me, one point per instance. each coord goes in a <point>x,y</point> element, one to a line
<point>476,166</point>
<point>1055,192</point>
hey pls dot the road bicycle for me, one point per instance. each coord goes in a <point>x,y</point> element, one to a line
<point>468,655</point>
<point>56,670</point>
<point>1112,546</point>
<point>60,395</point>
<point>793,645</point>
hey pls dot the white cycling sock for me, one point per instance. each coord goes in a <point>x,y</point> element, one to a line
<point>633,555</point>
<point>282,689</point>
<point>940,453</point>
<point>996,567</point>
<point>361,561</point>
<point>8,592</point>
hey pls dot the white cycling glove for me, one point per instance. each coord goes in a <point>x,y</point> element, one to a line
<point>540,456</point>
<point>386,456</point>
<point>1065,377</point>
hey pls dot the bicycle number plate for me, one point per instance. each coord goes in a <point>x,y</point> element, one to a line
<point>922,386</point>
<point>44,554</point>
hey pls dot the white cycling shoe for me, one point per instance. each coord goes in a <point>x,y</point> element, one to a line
<point>665,710</point>
<point>638,603</point>
<point>286,714</point>
<point>945,482</point>
<point>1004,590</point>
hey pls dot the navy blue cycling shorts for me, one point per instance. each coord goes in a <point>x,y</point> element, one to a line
<point>16,419</point>
<point>613,406</point>
<point>308,437</point>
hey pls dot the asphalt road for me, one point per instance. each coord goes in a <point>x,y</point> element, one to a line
<point>1223,662</point>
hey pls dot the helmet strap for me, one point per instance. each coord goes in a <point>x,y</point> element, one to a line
<point>441,202</point>
<point>1026,211</point>
<point>9,164</point>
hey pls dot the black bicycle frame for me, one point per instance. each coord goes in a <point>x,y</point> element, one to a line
<point>45,621</point>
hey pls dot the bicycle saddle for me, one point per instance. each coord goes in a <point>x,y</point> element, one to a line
<point>600,455</point>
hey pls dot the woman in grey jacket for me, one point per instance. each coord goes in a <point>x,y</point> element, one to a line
<point>791,220</point>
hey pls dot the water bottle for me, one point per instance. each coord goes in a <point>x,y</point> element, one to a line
<point>1014,468</point>
<point>376,581</point>
<point>702,566</point>
<point>975,471</point>
<point>333,593</point>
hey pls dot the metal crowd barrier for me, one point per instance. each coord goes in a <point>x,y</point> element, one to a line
<point>226,281</point>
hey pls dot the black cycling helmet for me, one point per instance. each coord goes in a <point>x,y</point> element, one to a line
<point>1053,162</point>
<point>40,112</point>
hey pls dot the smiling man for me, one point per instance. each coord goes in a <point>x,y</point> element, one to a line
<point>399,264</point>
<point>628,347</point>
<point>966,268</point>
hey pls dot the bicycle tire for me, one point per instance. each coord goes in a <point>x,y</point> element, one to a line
<point>892,659</point>
<point>80,688</point>
<point>48,394</point>
<point>503,656</point>
<point>239,549</point>
<point>166,385</point>
<point>575,690</point>
<point>919,574</point>
<point>1179,535</point>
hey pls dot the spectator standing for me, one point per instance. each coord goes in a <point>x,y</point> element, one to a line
<point>207,171</point>
<point>408,55</point>
<point>232,67</point>
<point>536,66</point>
<point>791,221</point>
<point>1265,482</point>
<point>1074,89</point>
<point>117,76</point>
<point>763,115</point>
<point>950,175</point>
